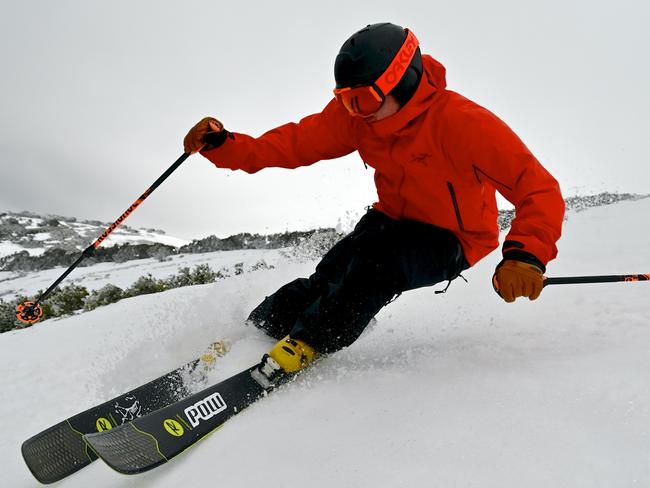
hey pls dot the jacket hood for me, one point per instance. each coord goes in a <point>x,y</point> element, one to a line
<point>433,81</point>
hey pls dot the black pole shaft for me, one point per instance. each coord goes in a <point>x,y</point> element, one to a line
<point>47,292</point>
<point>91,249</point>
<point>141,199</point>
<point>573,280</point>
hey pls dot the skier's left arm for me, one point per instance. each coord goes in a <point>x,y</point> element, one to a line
<point>487,147</point>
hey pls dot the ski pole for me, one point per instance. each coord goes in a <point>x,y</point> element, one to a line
<point>31,312</point>
<point>571,280</point>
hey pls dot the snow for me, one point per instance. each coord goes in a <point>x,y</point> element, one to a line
<point>30,222</point>
<point>120,237</point>
<point>459,389</point>
<point>8,247</point>
<point>42,236</point>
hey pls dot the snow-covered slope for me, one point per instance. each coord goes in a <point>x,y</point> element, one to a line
<point>448,390</point>
<point>13,284</point>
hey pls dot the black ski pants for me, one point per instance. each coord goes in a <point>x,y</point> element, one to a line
<point>364,271</point>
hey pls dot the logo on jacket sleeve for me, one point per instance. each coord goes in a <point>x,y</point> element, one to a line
<point>205,409</point>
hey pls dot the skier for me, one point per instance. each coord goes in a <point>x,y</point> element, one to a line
<point>438,159</point>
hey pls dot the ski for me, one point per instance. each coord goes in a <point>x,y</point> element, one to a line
<point>154,439</point>
<point>59,451</point>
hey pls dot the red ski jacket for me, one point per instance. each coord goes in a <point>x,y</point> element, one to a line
<point>438,160</point>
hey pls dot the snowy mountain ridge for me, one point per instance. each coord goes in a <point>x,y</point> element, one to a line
<point>40,243</point>
<point>35,233</point>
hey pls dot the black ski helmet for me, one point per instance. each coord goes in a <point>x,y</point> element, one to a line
<point>365,56</point>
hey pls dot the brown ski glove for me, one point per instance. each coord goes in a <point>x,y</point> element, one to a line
<point>513,278</point>
<point>207,132</point>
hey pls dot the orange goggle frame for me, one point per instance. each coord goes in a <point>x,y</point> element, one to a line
<point>364,101</point>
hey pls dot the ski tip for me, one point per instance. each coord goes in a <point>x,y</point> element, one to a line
<point>56,453</point>
<point>127,449</point>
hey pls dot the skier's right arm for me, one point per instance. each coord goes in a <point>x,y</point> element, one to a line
<point>326,135</point>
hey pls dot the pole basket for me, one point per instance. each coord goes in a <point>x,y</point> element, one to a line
<point>29,313</point>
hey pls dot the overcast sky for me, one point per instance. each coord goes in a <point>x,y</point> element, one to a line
<point>96,97</point>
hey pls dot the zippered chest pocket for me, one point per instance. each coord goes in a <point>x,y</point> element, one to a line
<point>469,205</point>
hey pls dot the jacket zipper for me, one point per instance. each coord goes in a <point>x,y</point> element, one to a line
<point>452,192</point>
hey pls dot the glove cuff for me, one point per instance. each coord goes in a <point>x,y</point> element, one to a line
<point>524,257</point>
<point>214,140</point>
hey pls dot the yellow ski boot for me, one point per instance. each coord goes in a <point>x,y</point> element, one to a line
<point>285,358</point>
<point>292,355</point>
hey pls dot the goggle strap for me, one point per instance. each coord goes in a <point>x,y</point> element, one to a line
<point>377,92</point>
<point>374,89</point>
<point>396,69</point>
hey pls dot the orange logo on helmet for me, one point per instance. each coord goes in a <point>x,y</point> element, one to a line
<point>398,66</point>
<point>402,61</point>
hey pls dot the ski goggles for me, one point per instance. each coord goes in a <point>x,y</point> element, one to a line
<point>364,101</point>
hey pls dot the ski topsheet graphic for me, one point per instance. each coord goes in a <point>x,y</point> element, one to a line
<point>154,439</point>
<point>61,450</point>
